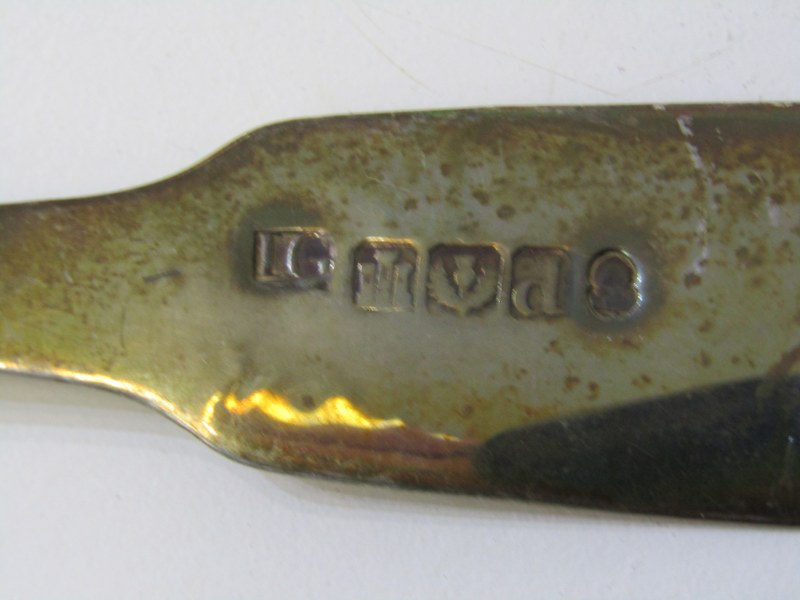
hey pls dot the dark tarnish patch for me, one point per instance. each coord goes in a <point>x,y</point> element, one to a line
<point>481,196</point>
<point>726,451</point>
<point>506,212</point>
<point>691,279</point>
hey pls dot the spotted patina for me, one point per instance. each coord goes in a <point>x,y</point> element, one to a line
<point>449,382</point>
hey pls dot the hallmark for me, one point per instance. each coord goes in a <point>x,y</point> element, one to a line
<point>539,278</point>
<point>614,282</point>
<point>385,275</point>
<point>464,279</point>
<point>299,257</point>
<point>390,274</point>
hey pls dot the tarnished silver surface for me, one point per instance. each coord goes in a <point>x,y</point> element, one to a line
<point>488,301</point>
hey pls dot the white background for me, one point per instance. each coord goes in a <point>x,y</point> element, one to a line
<point>100,498</point>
